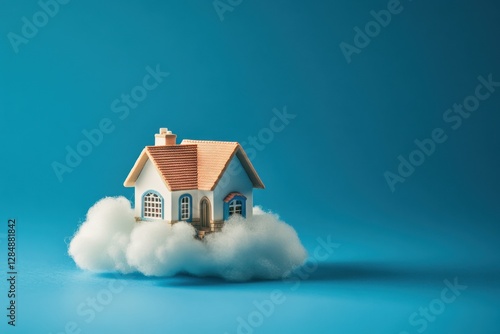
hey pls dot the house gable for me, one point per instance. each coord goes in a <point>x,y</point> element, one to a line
<point>214,158</point>
<point>176,164</point>
<point>235,179</point>
<point>150,179</point>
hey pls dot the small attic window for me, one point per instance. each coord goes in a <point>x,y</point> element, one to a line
<point>152,205</point>
<point>234,204</point>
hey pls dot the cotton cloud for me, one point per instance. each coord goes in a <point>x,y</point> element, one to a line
<point>110,240</point>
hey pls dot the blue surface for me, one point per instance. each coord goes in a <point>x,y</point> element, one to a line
<point>323,164</point>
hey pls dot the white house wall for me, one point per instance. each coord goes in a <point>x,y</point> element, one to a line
<point>150,179</point>
<point>196,195</point>
<point>235,179</point>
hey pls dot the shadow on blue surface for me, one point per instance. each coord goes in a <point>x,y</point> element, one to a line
<point>132,276</point>
<point>379,272</point>
<point>402,273</point>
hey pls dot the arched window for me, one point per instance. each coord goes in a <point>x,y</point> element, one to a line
<point>186,208</point>
<point>152,205</point>
<point>235,204</point>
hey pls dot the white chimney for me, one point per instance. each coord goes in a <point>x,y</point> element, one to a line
<point>165,138</point>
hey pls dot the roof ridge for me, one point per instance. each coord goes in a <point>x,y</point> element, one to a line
<point>169,146</point>
<point>209,141</point>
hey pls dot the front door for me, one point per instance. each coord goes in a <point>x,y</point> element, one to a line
<point>205,212</point>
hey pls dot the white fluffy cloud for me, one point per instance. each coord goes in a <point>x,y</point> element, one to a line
<point>111,240</point>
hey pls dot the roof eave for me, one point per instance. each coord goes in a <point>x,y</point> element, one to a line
<point>138,167</point>
<point>249,168</point>
<point>158,169</point>
<point>136,170</point>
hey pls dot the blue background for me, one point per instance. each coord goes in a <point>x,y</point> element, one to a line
<point>324,172</point>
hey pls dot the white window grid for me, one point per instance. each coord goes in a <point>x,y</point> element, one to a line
<point>185,207</point>
<point>152,206</point>
<point>235,207</point>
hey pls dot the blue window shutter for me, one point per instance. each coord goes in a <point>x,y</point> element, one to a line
<point>243,207</point>
<point>226,210</point>
<point>190,208</point>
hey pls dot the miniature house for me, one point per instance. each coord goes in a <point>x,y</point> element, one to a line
<point>197,181</point>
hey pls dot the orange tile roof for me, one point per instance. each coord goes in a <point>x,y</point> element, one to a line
<point>177,164</point>
<point>213,158</point>
<point>194,164</point>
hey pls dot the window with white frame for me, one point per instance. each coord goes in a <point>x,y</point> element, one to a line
<point>152,206</point>
<point>235,207</point>
<point>185,208</point>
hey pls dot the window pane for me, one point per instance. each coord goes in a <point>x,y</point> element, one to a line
<point>185,207</point>
<point>152,206</point>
